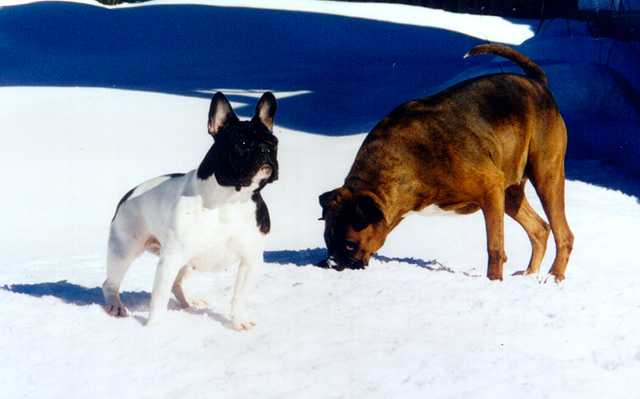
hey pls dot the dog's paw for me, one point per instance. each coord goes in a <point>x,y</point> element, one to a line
<point>525,273</point>
<point>242,325</point>
<point>198,303</point>
<point>117,310</point>
<point>556,278</point>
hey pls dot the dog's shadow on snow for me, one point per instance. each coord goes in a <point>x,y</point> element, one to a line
<point>300,257</point>
<point>317,257</point>
<point>76,294</point>
<point>79,295</point>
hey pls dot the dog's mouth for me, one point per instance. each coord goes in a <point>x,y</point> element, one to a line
<point>265,171</point>
<point>339,265</point>
<point>264,174</point>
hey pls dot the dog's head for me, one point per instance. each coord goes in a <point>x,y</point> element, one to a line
<point>242,151</point>
<point>355,227</point>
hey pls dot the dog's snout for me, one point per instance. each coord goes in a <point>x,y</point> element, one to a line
<point>342,261</point>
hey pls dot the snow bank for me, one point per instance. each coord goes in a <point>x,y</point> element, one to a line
<point>484,27</point>
<point>186,49</point>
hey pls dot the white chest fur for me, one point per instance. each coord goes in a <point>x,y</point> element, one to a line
<point>216,237</point>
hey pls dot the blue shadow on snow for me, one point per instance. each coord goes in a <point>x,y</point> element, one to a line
<point>357,70</point>
<point>78,295</point>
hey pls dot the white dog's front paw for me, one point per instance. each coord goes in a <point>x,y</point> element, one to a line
<point>242,324</point>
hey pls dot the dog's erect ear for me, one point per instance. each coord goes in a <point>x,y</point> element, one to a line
<point>366,212</point>
<point>220,113</point>
<point>266,109</point>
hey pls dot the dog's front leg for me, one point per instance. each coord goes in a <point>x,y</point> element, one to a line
<point>168,267</point>
<point>493,210</point>
<point>245,281</point>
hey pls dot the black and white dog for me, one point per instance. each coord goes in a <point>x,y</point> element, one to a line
<point>203,220</point>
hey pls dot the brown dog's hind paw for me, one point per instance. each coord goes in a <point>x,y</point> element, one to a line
<point>557,278</point>
<point>525,273</point>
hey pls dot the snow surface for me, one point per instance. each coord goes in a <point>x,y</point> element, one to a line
<point>421,321</point>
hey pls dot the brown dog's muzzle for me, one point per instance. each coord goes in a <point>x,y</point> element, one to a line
<point>340,263</point>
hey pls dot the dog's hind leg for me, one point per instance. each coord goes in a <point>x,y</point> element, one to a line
<point>178,290</point>
<point>546,170</point>
<point>551,193</point>
<point>517,206</point>
<point>124,248</point>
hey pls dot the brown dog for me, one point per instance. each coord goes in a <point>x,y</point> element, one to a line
<point>470,147</point>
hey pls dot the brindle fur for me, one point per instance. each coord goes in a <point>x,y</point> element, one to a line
<point>471,147</point>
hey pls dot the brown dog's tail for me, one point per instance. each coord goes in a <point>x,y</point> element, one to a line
<point>530,68</point>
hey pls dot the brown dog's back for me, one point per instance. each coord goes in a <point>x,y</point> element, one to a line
<point>490,123</point>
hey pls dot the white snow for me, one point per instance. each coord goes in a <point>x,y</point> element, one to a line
<point>421,321</point>
<point>485,27</point>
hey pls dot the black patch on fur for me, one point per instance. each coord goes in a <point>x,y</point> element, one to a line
<point>238,152</point>
<point>128,194</point>
<point>262,213</point>
<point>122,200</point>
<point>240,148</point>
<point>174,175</point>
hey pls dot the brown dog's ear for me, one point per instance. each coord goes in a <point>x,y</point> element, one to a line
<point>326,198</point>
<point>266,109</point>
<point>366,212</point>
<point>220,114</point>
<point>331,198</point>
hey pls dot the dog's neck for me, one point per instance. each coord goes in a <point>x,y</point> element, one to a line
<point>394,200</point>
<point>214,194</point>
